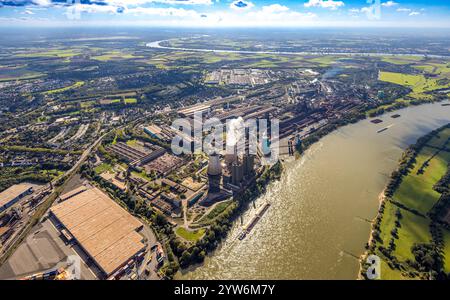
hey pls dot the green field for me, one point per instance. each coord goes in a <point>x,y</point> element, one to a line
<point>387,273</point>
<point>387,223</point>
<point>440,139</point>
<point>416,190</point>
<point>419,84</point>
<point>263,64</point>
<point>431,76</point>
<point>401,79</point>
<point>142,175</point>
<point>109,101</point>
<point>325,61</point>
<point>132,143</point>
<point>414,199</point>
<point>104,167</point>
<point>28,76</point>
<point>186,60</point>
<point>188,235</point>
<point>401,60</point>
<point>130,100</point>
<point>215,212</point>
<point>434,76</point>
<point>414,229</point>
<point>434,68</point>
<point>87,104</point>
<point>61,53</point>
<point>61,90</point>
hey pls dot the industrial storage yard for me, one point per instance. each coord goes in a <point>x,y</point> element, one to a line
<point>89,225</point>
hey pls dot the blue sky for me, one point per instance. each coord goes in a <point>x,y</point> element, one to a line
<point>226,13</point>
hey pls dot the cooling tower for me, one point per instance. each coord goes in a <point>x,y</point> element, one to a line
<point>214,167</point>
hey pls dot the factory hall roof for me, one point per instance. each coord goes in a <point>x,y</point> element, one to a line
<point>104,230</point>
<point>13,192</point>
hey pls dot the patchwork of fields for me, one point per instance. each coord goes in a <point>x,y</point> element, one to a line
<point>433,77</point>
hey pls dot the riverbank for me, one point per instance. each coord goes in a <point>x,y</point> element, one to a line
<point>412,198</point>
<point>205,247</point>
<point>326,193</point>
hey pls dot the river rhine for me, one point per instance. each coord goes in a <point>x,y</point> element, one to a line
<point>317,224</point>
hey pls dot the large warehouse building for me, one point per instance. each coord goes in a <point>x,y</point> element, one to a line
<point>13,194</point>
<point>103,229</point>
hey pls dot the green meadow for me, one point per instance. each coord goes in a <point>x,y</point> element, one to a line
<point>416,190</point>
<point>130,100</point>
<point>61,90</point>
<point>420,85</point>
<point>414,199</point>
<point>189,235</point>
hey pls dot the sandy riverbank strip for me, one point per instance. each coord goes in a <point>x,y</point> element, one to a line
<point>381,200</point>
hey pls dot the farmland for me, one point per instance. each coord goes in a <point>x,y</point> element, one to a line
<point>410,219</point>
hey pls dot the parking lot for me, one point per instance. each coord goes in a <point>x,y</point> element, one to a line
<point>42,250</point>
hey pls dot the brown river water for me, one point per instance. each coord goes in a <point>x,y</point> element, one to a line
<point>317,224</point>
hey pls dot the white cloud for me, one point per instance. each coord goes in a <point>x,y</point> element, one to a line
<point>153,11</point>
<point>389,4</point>
<point>134,3</point>
<point>136,7</point>
<point>136,12</point>
<point>163,12</point>
<point>366,10</point>
<point>274,8</point>
<point>42,2</point>
<point>331,4</point>
<point>369,11</point>
<point>271,15</point>
<point>97,8</point>
<point>74,11</point>
<point>372,12</point>
<point>410,12</point>
<point>267,16</point>
<point>27,12</point>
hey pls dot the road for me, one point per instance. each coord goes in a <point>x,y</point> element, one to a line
<point>39,213</point>
<point>23,232</point>
<point>150,256</point>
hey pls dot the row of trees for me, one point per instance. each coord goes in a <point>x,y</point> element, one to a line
<point>443,185</point>
<point>442,206</point>
<point>428,261</point>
